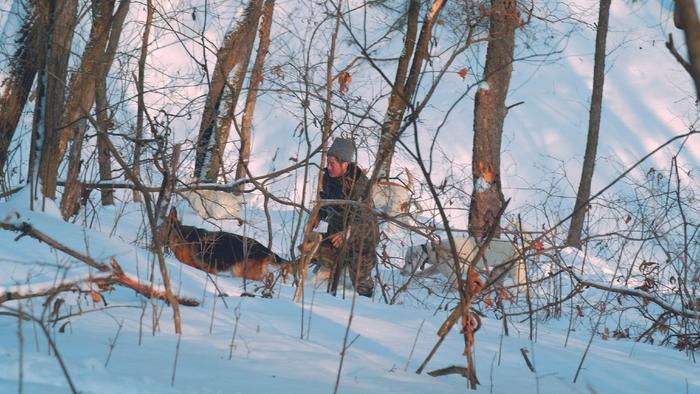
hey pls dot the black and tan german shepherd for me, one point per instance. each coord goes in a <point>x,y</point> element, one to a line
<point>219,251</point>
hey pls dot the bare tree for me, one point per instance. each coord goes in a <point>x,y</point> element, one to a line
<point>61,21</point>
<point>398,100</point>
<point>94,67</point>
<point>686,19</point>
<point>102,103</point>
<point>141,108</point>
<point>231,58</point>
<point>489,114</point>
<point>256,79</point>
<point>584,188</point>
<point>405,85</point>
<point>23,67</point>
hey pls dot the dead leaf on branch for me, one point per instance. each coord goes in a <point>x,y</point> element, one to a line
<point>462,73</point>
<point>539,247</point>
<point>96,297</point>
<point>344,79</point>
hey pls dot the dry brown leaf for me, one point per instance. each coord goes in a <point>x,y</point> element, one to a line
<point>344,79</point>
<point>539,247</point>
<point>96,297</point>
<point>462,73</point>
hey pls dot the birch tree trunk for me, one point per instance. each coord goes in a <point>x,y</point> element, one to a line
<point>256,78</point>
<point>24,65</point>
<point>234,52</point>
<point>489,114</point>
<point>41,24</point>
<point>584,188</point>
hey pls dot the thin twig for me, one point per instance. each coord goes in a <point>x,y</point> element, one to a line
<point>415,341</point>
<point>114,343</point>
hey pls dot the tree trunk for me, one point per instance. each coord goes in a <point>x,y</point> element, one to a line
<point>104,123</point>
<point>403,91</point>
<point>256,78</point>
<point>41,24</point>
<point>232,54</point>
<point>139,88</point>
<point>24,65</point>
<point>397,100</point>
<point>62,22</point>
<point>489,114</point>
<point>687,16</point>
<point>232,92</point>
<point>81,98</point>
<point>104,158</point>
<point>584,188</point>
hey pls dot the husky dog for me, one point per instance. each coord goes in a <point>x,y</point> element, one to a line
<point>500,259</point>
<point>219,251</point>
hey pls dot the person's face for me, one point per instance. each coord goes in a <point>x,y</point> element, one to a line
<point>335,167</point>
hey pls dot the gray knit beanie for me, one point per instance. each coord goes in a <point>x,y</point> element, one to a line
<point>343,149</point>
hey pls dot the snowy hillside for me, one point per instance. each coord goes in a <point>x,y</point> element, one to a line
<point>243,345</point>
<point>567,334</point>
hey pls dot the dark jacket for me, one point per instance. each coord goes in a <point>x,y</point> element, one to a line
<point>350,186</point>
<point>358,251</point>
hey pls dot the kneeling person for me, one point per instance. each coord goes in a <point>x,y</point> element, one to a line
<point>352,235</point>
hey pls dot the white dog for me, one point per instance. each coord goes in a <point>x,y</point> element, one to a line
<point>439,256</point>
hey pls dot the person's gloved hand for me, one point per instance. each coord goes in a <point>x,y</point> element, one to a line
<point>336,239</point>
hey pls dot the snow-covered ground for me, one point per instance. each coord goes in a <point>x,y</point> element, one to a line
<point>240,344</point>
<point>253,345</point>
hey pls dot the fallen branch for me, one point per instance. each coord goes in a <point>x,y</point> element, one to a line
<point>687,313</point>
<point>523,351</point>
<point>18,295</point>
<point>116,274</point>
<point>147,291</point>
<point>452,369</point>
<point>27,229</point>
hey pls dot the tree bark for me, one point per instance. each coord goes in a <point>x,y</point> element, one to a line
<point>405,85</point>
<point>24,65</point>
<point>141,109</point>
<point>489,114</point>
<point>104,123</point>
<point>81,96</point>
<point>687,16</point>
<point>232,54</point>
<point>256,78</point>
<point>397,100</point>
<point>62,21</point>
<point>104,158</point>
<point>402,93</point>
<point>584,188</point>
<point>97,59</point>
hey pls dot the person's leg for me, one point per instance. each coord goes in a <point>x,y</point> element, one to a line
<point>361,266</point>
<point>324,262</point>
